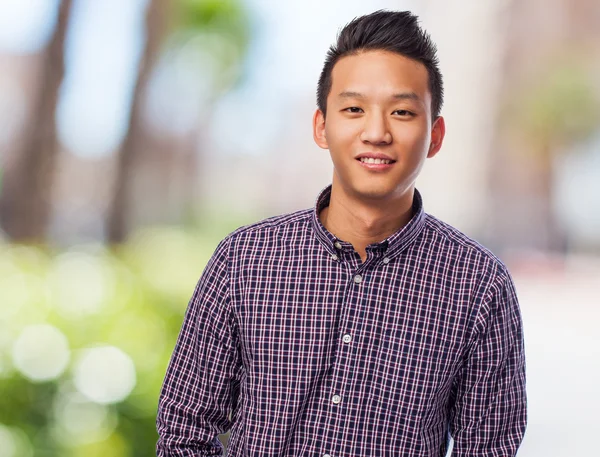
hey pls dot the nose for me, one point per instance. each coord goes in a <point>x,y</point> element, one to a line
<point>376,130</point>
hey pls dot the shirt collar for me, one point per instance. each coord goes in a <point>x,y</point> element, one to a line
<point>392,245</point>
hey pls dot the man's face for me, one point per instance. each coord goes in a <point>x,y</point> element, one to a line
<point>379,105</point>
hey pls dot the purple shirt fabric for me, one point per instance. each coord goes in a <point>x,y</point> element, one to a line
<point>298,348</point>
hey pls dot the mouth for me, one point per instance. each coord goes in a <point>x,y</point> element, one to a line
<point>376,164</point>
<point>371,160</point>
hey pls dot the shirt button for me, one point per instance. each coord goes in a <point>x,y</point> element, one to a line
<point>358,279</point>
<point>336,399</point>
<point>326,455</point>
<point>347,338</point>
<point>338,245</point>
<point>334,257</point>
<point>386,260</point>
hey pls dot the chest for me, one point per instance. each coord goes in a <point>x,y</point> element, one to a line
<point>298,319</point>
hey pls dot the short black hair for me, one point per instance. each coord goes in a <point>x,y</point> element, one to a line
<point>393,31</point>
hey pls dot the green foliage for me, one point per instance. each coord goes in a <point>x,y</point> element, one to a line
<point>213,34</point>
<point>131,298</point>
<point>226,17</point>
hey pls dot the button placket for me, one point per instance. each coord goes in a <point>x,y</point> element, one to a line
<point>344,359</point>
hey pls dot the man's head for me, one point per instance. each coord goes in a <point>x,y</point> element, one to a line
<point>392,31</point>
<point>379,99</point>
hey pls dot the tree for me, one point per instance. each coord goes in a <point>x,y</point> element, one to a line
<point>187,21</point>
<point>156,21</point>
<point>25,202</point>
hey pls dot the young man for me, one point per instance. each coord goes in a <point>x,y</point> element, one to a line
<point>362,327</point>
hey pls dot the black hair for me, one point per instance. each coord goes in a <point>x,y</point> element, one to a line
<point>393,31</point>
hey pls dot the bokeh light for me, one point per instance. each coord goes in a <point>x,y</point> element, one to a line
<point>14,442</point>
<point>104,374</point>
<point>8,443</point>
<point>80,421</point>
<point>81,284</point>
<point>41,352</point>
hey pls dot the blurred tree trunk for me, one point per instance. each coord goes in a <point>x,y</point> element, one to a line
<point>133,145</point>
<point>25,202</point>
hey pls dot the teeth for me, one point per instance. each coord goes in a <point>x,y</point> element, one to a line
<point>371,160</point>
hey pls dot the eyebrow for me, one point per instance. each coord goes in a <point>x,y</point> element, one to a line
<point>398,96</point>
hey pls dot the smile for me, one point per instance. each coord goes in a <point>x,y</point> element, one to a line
<point>376,165</point>
<point>376,161</point>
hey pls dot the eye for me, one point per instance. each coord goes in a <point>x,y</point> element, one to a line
<point>354,109</point>
<point>403,112</point>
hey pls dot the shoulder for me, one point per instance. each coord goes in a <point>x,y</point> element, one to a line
<point>271,226</point>
<point>266,230</point>
<point>462,248</point>
<point>493,285</point>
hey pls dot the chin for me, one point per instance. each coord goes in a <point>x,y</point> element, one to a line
<point>374,192</point>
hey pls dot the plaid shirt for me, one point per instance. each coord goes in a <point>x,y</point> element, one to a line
<point>300,349</point>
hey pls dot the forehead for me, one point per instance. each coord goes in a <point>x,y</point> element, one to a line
<point>380,73</point>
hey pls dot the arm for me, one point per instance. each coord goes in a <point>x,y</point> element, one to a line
<point>199,388</point>
<point>489,414</point>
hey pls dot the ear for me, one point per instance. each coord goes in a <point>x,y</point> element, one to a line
<point>438,131</point>
<point>319,129</point>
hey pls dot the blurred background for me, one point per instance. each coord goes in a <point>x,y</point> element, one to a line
<point>136,134</point>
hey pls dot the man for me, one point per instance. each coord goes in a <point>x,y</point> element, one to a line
<point>362,327</point>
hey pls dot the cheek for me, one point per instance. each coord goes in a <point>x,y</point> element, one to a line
<point>415,137</point>
<point>340,135</point>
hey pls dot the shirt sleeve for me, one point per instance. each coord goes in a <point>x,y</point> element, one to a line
<point>489,414</point>
<point>199,390</point>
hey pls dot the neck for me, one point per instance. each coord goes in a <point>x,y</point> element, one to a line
<point>362,223</point>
